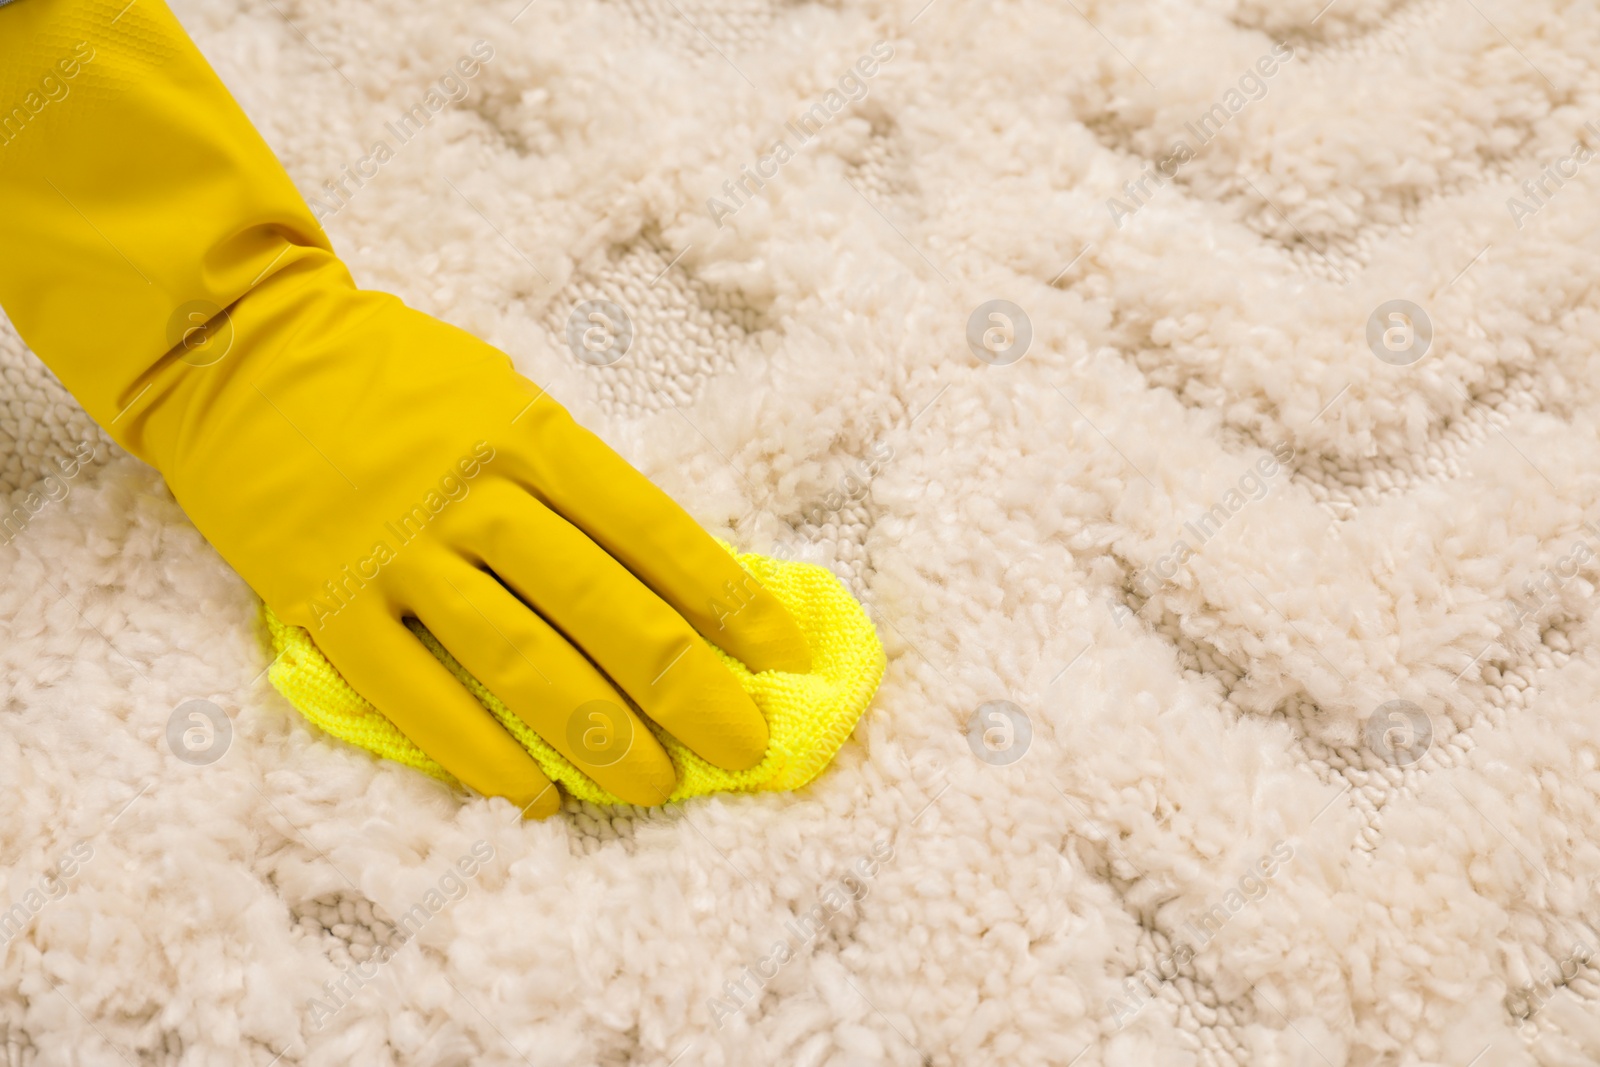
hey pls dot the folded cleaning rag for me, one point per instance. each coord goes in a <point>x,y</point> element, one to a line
<point>808,715</point>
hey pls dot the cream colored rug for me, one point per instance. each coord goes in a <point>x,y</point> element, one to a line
<point>1203,399</point>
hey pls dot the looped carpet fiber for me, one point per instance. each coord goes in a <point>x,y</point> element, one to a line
<point>1240,698</point>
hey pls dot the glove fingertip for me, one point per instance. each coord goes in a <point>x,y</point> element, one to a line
<point>537,802</point>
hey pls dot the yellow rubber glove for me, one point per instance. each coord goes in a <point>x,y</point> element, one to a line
<point>358,462</point>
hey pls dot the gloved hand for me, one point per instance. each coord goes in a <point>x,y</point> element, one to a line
<point>356,461</point>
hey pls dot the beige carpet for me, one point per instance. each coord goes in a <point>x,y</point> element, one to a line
<point>1236,568</point>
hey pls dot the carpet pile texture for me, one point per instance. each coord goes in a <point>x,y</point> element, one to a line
<point>1202,399</point>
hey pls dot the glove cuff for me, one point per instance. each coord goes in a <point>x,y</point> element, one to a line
<point>141,205</point>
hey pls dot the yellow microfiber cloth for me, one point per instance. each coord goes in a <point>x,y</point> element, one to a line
<point>808,715</point>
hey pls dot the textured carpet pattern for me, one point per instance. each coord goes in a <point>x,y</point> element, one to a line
<point>1241,697</point>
